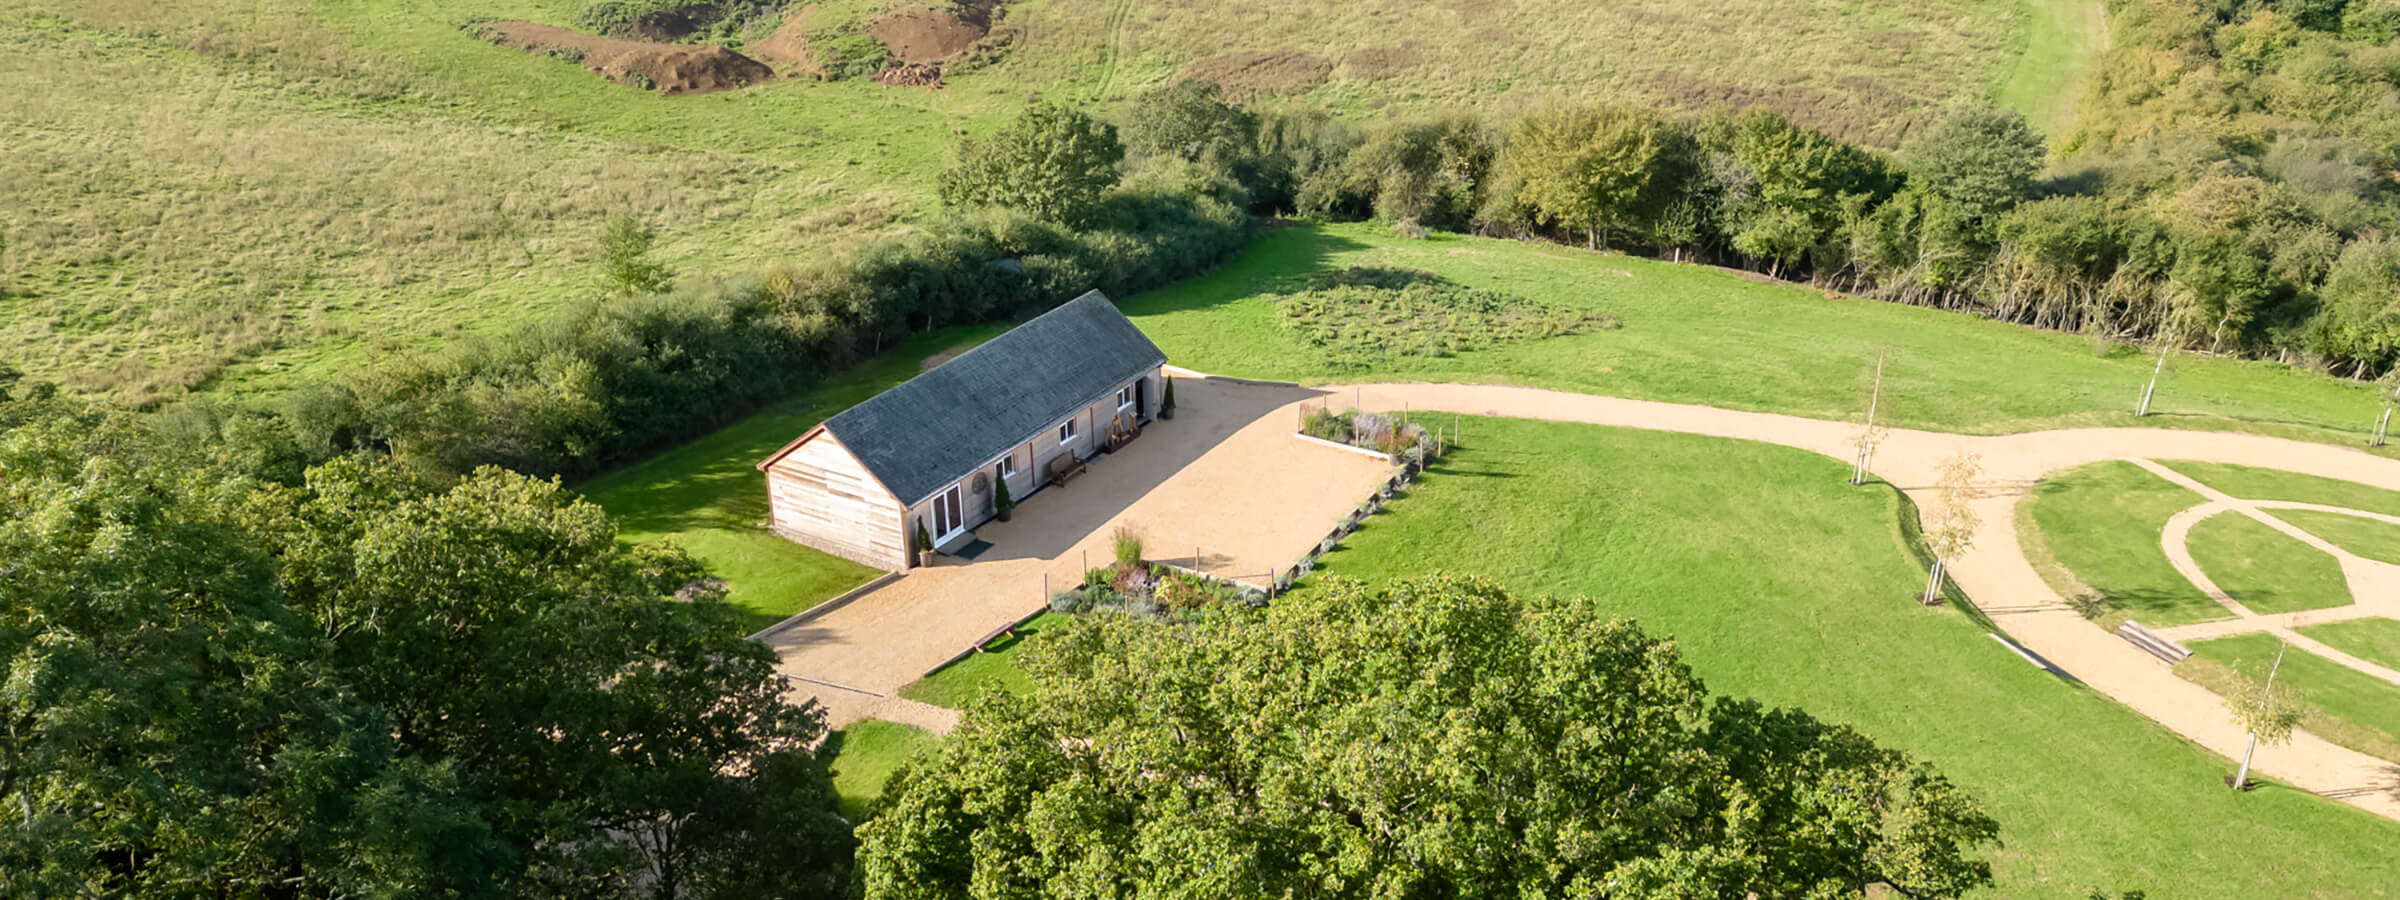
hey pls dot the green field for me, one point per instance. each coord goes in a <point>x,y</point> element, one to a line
<point>2375,640</point>
<point>864,757</point>
<point>2349,708</point>
<point>2253,483</point>
<point>1696,334</point>
<point>2100,525</point>
<point>2264,569</point>
<point>708,496</point>
<point>959,683</point>
<point>262,193</point>
<point>2370,538</point>
<point>1692,537</point>
<point>2061,45</point>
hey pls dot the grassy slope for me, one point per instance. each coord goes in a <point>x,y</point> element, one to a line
<point>2059,45</point>
<point>865,755</point>
<point>2374,640</point>
<point>709,497</point>
<point>2089,793</point>
<point>2252,483</point>
<point>1701,335</point>
<point>958,683</point>
<point>2365,537</point>
<point>2101,524</point>
<point>261,192</point>
<point>2265,569</point>
<point>2347,708</point>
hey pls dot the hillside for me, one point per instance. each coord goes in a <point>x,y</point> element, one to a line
<point>265,191</point>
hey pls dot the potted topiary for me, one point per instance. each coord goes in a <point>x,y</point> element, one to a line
<point>1000,502</point>
<point>924,546</point>
<point>1166,400</point>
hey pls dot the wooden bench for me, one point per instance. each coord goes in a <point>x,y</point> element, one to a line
<point>1064,466</point>
<point>2167,651</point>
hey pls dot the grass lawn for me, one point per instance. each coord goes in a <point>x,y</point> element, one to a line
<point>2375,640</point>
<point>957,684</point>
<point>1695,538</point>
<point>1695,334</point>
<point>865,755</point>
<point>2265,569</point>
<point>709,497</point>
<point>2098,527</point>
<point>2061,44</point>
<point>2349,708</point>
<point>2370,538</point>
<point>2253,483</point>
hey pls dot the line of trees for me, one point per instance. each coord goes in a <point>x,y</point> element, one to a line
<point>2231,191</point>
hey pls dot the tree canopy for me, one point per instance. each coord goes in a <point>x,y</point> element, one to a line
<point>1433,737</point>
<point>362,685</point>
<point>1051,161</point>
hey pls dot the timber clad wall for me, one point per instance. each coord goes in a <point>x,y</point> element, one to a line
<point>820,495</point>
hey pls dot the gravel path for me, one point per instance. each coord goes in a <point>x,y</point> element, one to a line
<point>1996,572</point>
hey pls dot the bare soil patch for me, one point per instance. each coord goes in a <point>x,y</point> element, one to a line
<point>665,68</point>
<point>1251,74</point>
<point>786,51</point>
<point>911,75</point>
<point>927,36</point>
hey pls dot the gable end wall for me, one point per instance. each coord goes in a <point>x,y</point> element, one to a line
<point>821,495</point>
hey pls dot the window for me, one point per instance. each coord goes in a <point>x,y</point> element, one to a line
<point>1066,432</point>
<point>1008,465</point>
<point>1125,396</point>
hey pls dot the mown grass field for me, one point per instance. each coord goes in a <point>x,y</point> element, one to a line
<point>865,755</point>
<point>2264,569</point>
<point>2374,640</point>
<point>2349,708</point>
<point>251,194</point>
<point>959,683</point>
<point>2098,525</point>
<point>709,497</point>
<point>1695,334</point>
<point>2369,538</point>
<point>1694,538</point>
<point>2254,483</point>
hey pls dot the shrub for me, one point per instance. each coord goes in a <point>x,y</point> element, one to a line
<point>1127,547</point>
<point>1327,425</point>
<point>924,541</point>
<point>855,55</point>
<point>1051,161</point>
<point>1070,602</point>
<point>625,258</point>
<point>1327,545</point>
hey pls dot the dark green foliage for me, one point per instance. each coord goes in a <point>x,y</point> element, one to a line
<point>1431,738</point>
<point>625,259</point>
<point>853,55</point>
<point>357,685</point>
<point>1978,158</point>
<point>1187,120</point>
<point>1051,161</point>
<point>1359,317</point>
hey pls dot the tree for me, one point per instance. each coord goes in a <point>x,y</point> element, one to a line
<point>367,684</point>
<point>2268,711</point>
<point>625,259</point>
<point>1187,120</point>
<point>1430,738</point>
<point>1979,158</point>
<point>1052,162</point>
<point>1953,531</point>
<point>1586,167</point>
<point>1871,434</point>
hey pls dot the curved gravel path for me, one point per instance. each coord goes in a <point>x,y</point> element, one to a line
<point>1996,572</point>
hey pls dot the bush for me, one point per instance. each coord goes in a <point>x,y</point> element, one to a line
<point>1126,547</point>
<point>855,55</point>
<point>1070,602</point>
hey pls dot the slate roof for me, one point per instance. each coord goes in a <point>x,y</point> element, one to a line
<point>937,427</point>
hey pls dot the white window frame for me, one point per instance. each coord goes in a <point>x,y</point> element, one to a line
<point>1067,432</point>
<point>1008,466</point>
<point>1124,397</point>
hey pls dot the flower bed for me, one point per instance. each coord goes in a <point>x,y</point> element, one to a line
<point>1403,441</point>
<point>1136,586</point>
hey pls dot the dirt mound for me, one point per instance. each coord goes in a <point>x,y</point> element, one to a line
<point>665,68</point>
<point>786,51</point>
<point>924,36</point>
<point>911,75</point>
<point>670,25</point>
<point>1251,74</point>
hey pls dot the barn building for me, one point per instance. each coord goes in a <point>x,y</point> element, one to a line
<point>1024,409</point>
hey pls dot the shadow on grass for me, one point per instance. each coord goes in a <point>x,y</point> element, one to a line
<point>1274,261</point>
